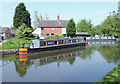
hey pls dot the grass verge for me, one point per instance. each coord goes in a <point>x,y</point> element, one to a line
<point>12,43</point>
<point>113,77</point>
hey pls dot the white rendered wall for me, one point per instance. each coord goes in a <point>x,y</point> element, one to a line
<point>63,30</point>
<point>37,31</point>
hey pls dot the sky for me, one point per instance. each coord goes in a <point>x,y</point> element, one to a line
<point>94,10</point>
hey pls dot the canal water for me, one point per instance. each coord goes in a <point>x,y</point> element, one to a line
<point>79,64</point>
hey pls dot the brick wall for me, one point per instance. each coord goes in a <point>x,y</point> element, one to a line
<point>56,31</point>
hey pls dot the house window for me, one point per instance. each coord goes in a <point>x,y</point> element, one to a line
<point>42,28</point>
<point>52,33</point>
<point>47,34</point>
<point>52,29</point>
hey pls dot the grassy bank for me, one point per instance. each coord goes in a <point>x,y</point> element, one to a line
<point>12,43</point>
<point>113,76</point>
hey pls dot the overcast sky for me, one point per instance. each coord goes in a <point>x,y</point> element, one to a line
<point>96,10</point>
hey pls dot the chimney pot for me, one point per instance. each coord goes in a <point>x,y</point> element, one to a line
<point>40,18</point>
<point>58,18</point>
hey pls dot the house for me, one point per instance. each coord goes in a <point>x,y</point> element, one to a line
<point>14,32</point>
<point>5,33</point>
<point>82,34</point>
<point>51,27</point>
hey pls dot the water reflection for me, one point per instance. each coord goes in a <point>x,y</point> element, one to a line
<point>22,64</point>
<point>111,53</point>
<point>66,56</point>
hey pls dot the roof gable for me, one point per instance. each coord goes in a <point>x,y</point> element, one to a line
<point>3,29</point>
<point>53,23</point>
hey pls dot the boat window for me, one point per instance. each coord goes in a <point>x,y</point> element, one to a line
<point>75,40</point>
<point>69,41</point>
<point>44,43</point>
<point>62,41</point>
<point>55,42</point>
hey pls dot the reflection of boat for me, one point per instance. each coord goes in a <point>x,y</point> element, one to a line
<point>22,58</point>
<point>56,57</point>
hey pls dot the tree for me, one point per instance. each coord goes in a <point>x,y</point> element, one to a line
<point>85,26</point>
<point>71,28</point>
<point>21,15</point>
<point>28,20</point>
<point>25,32</point>
<point>36,19</point>
<point>110,26</point>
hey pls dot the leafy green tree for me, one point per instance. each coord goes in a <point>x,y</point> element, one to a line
<point>85,26</point>
<point>71,28</point>
<point>28,20</point>
<point>110,26</point>
<point>25,32</point>
<point>21,15</point>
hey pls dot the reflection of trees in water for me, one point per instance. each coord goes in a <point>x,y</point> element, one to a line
<point>110,52</point>
<point>10,58</point>
<point>88,53</point>
<point>22,67</point>
<point>71,61</point>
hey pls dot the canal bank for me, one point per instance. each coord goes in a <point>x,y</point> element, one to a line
<point>6,52</point>
<point>112,77</point>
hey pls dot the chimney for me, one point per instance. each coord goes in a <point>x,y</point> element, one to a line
<point>58,18</point>
<point>40,18</point>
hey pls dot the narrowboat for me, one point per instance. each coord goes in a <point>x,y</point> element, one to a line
<point>101,38</point>
<point>37,45</point>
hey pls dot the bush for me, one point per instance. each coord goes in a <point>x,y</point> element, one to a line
<point>25,32</point>
<point>56,36</point>
<point>60,35</point>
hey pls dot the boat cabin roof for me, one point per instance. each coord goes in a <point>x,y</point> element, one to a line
<point>61,39</point>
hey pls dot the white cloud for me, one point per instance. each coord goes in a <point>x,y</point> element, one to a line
<point>59,0</point>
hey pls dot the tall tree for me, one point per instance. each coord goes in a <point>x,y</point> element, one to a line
<point>36,19</point>
<point>85,26</point>
<point>21,15</point>
<point>110,26</point>
<point>71,28</point>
